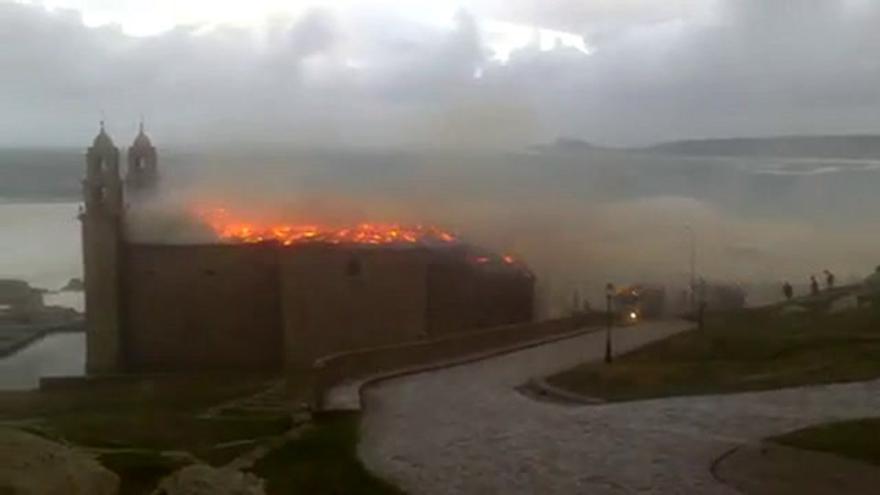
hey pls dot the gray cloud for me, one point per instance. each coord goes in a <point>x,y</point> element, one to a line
<point>659,70</point>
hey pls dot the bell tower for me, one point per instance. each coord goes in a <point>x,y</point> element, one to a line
<point>101,242</point>
<point>143,167</point>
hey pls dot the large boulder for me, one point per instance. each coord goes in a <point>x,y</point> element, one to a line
<point>32,465</point>
<point>201,479</point>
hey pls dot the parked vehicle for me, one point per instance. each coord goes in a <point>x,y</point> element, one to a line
<point>638,302</point>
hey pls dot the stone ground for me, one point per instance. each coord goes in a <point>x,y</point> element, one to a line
<point>467,430</point>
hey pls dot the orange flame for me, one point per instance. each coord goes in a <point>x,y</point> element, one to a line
<point>232,228</point>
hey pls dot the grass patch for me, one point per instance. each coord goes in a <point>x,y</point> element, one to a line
<point>156,415</point>
<point>858,439</point>
<point>184,393</point>
<point>149,414</point>
<point>755,349</point>
<point>160,429</point>
<point>322,461</point>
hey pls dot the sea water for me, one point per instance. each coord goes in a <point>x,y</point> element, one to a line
<point>40,244</point>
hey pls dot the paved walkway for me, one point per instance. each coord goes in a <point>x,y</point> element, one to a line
<point>465,430</point>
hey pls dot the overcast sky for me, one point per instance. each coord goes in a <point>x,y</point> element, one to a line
<point>418,72</point>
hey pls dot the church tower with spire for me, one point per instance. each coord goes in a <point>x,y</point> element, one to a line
<point>143,168</point>
<point>101,220</point>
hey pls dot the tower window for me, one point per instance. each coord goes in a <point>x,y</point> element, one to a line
<point>99,194</point>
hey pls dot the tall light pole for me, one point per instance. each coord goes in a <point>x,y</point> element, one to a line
<point>692,237</point>
<point>609,296</point>
<point>701,305</point>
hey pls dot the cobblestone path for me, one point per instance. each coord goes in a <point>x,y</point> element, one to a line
<point>465,430</point>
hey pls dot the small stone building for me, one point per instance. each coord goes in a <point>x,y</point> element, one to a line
<point>266,306</point>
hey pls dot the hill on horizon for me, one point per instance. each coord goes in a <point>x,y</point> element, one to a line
<point>855,146</point>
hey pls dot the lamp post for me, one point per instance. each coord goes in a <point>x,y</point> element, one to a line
<point>609,296</point>
<point>701,304</point>
<point>692,237</point>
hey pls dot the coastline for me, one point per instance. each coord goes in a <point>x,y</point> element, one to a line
<point>28,335</point>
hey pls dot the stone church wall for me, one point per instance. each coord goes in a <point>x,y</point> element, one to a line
<point>201,307</point>
<point>264,306</point>
<point>463,296</point>
<point>339,299</point>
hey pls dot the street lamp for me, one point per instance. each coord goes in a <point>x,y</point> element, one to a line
<point>609,296</point>
<point>693,245</point>
<point>701,304</point>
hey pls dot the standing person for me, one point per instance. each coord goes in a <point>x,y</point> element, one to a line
<point>788,291</point>
<point>814,286</point>
<point>829,279</point>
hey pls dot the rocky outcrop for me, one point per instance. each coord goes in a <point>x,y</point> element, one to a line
<point>201,479</point>
<point>32,465</point>
<point>74,285</point>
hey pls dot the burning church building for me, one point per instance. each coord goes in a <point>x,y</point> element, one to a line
<point>265,297</point>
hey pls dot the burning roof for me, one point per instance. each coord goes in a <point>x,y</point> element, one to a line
<point>234,228</point>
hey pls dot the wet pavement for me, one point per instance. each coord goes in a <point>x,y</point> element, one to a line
<point>466,429</point>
